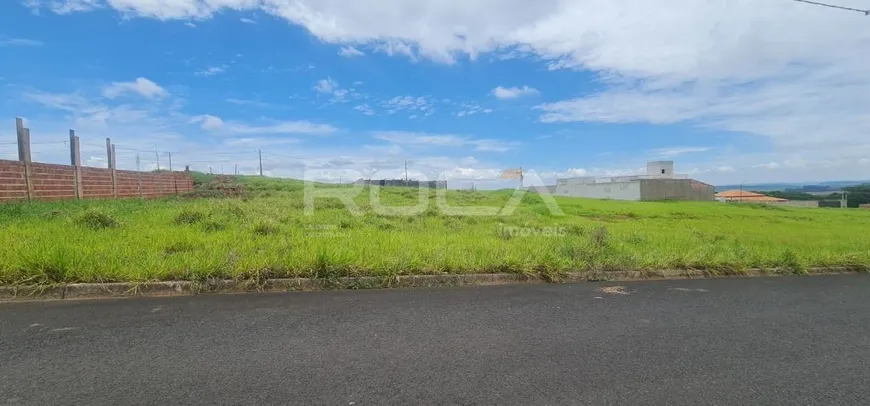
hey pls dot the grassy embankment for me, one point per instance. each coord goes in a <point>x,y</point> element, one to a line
<point>266,234</point>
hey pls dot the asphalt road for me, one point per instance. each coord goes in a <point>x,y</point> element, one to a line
<point>788,340</point>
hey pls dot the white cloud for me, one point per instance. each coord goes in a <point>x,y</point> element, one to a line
<point>259,141</point>
<point>670,152</point>
<point>326,86</point>
<point>208,122</point>
<point>469,109</point>
<point>793,73</point>
<point>8,42</point>
<point>253,103</point>
<point>141,86</point>
<point>767,165</point>
<point>422,104</point>
<point>417,139</point>
<point>220,127</point>
<point>569,173</point>
<point>364,109</point>
<point>331,87</point>
<point>784,70</point>
<point>350,52</point>
<point>190,24</point>
<point>247,20</point>
<point>513,92</point>
<point>211,71</point>
<point>65,6</point>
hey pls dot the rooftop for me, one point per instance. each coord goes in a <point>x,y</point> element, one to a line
<point>739,193</point>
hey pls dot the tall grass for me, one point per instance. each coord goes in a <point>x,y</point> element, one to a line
<point>267,235</point>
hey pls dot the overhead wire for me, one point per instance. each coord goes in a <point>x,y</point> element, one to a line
<point>866,12</point>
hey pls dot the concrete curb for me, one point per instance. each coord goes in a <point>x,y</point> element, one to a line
<point>181,288</point>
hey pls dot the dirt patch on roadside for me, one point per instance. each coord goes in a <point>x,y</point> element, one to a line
<point>615,290</point>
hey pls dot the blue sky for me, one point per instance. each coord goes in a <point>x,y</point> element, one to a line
<point>733,91</point>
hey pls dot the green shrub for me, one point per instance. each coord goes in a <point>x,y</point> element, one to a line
<point>96,220</point>
<point>188,217</point>
<point>264,228</point>
<point>213,225</point>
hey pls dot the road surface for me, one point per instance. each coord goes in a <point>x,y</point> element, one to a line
<point>787,340</point>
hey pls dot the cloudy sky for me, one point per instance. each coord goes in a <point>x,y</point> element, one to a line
<point>732,90</point>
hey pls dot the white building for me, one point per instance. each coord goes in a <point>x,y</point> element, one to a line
<point>659,183</point>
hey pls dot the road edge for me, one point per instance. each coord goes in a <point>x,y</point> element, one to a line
<point>184,288</point>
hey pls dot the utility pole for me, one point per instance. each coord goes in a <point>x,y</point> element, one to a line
<point>236,169</point>
<point>209,170</point>
<point>406,171</point>
<point>260,153</point>
<point>157,155</point>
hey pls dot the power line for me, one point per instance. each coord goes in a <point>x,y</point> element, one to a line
<point>866,12</point>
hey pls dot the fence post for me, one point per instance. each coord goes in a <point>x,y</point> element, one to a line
<point>75,158</point>
<point>174,178</point>
<point>114,173</point>
<point>24,153</point>
<point>139,176</point>
<point>110,158</point>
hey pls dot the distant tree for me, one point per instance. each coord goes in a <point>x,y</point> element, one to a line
<point>812,188</point>
<point>859,194</point>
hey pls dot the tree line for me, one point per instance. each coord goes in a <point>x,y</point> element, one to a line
<point>856,195</point>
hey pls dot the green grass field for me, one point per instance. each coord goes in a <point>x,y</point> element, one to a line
<point>267,235</point>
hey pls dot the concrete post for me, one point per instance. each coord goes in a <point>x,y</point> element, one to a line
<point>110,163</point>
<point>24,156</point>
<point>23,147</point>
<point>139,176</point>
<point>114,166</point>
<point>109,152</point>
<point>75,158</point>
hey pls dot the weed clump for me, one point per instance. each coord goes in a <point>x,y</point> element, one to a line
<point>213,225</point>
<point>789,260</point>
<point>599,236</point>
<point>264,228</point>
<point>188,217</point>
<point>96,220</point>
<point>179,247</point>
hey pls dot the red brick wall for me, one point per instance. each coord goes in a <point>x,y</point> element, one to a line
<point>152,184</point>
<point>96,183</point>
<point>52,182</point>
<point>12,183</point>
